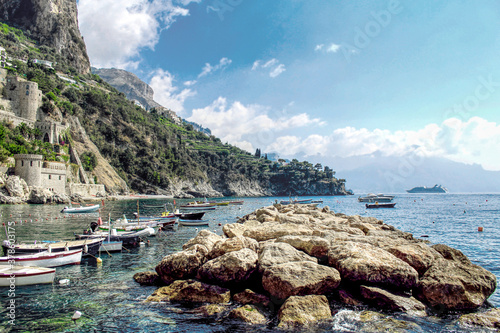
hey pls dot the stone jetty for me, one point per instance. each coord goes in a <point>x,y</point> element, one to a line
<point>290,265</point>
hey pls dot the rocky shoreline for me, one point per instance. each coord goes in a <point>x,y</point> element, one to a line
<point>295,265</point>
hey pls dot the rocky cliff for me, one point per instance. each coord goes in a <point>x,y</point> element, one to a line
<point>53,23</point>
<point>129,84</point>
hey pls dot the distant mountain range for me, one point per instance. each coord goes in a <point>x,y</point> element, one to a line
<point>382,174</point>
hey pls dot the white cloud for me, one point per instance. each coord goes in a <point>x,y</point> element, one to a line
<point>474,141</point>
<point>235,123</point>
<point>190,83</point>
<point>274,66</point>
<point>333,48</point>
<point>207,69</point>
<point>116,31</point>
<point>166,93</point>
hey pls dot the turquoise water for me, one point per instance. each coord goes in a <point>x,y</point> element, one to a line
<point>110,301</point>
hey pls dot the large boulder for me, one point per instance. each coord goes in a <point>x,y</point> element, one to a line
<point>418,255</point>
<point>39,195</point>
<point>453,285</point>
<point>272,230</point>
<point>384,299</point>
<point>205,238</point>
<point>15,187</point>
<point>279,253</point>
<point>183,264</point>
<point>233,229</point>
<point>249,314</point>
<point>299,311</point>
<point>233,244</point>
<point>299,278</point>
<point>366,264</point>
<point>229,269</point>
<point>312,245</point>
<point>190,291</point>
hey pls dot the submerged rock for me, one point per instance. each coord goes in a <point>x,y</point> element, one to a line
<point>249,314</point>
<point>489,319</point>
<point>147,278</point>
<point>190,291</point>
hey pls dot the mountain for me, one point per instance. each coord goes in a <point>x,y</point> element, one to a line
<point>386,174</point>
<point>51,23</point>
<point>129,84</point>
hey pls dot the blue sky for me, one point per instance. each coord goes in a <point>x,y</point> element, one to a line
<point>315,78</point>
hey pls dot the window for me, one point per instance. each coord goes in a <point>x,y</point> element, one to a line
<point>27,92</point>
<point>22,163</point>
<point>50,176</point>
<point>28,86</point>
<point>59,177</point>
<point>31,163</point>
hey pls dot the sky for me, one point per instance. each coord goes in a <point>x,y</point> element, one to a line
<point>316,79</point>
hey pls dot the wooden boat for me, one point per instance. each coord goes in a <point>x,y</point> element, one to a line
<point>190,216</point>
<point>128,239</point>
<point>236,202</point>
<point>89,246</point>
<point>24,276</point>
<point>163,216</point>
<point>82,209</point>
<point>45,259</point>
<point>193,222</point>
<point>381,205</point>
<point>111,246</point>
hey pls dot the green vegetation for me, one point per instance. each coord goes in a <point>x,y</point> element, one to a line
<point>145,148</point>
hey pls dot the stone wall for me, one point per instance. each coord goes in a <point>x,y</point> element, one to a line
<point>86,190</point>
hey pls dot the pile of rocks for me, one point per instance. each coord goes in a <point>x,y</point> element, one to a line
<point>294,261</point>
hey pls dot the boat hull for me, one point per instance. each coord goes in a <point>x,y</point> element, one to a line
<point>381,205</point>
<point>45,259</point>
<point>24,276</point>
<point>193,223</point>
<point>111,246</point>
<point>90,247</point>
<point>190,216</point>
<point>89,209</point>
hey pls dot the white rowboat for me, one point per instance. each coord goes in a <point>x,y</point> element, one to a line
<point>44,259</point>
<point>24,276</point>
<point>83,209</point>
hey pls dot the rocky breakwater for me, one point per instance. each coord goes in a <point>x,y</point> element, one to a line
<point>296,265</point>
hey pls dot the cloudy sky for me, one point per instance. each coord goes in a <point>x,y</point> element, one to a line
<point>316,78</point>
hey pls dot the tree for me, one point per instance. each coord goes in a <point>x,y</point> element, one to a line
<point>318,166</point>
<point>257,153</point>
<point>89,161</point>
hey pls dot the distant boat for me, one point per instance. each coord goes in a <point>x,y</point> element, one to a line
<point>296,201</point>
<point>193,222</point>
<point>83,209</point>
<point>424,189</point>
<point>381,205</point>
<point>370,197</point>
<point>25,275</point>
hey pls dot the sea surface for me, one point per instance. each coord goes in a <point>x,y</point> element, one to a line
<point>111,301</point>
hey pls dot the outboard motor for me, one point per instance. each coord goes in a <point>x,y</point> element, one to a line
<point>93,226</point>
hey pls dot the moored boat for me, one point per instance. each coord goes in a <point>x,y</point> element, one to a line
<point>370,197</point>
<point>193,222</point>
<point>82,209</point>
<point>236,202</point>
<point>190,216</point>
<point>296,201</point>
<point>89,246</point>
<point>44,259</point>
<point>198,207</point>
<point>381,205</point>
<point>25,275</point>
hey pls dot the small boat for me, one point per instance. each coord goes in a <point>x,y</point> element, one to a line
<point>296,201</point>
<point>370,197</point>
<point>155,206</point>
<point>236,202</point>
<point>317,201</point>
<point>111,246</point>
<point>381,205</point>
<point>198,207</point>
<point>82,209</point>
<point>163,216</point>
<point>89,246</point>
<point>193,222</point>
<point>190,216</point>
<point>128,239</point>
<point>25,275</point>
<point>45,259</point>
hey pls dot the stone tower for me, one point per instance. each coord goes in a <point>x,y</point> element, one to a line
<point>29,168</point>
<point>25,96</point>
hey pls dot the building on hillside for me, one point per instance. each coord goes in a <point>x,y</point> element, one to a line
<point>43,62</point>
<point>167,113</point>
<point>3,57</point>
<point>39,173</point>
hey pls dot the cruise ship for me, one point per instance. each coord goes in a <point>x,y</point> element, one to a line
<point>424,189</point>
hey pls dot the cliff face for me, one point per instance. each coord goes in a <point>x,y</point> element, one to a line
<point>53,23</point>
<point>129,84</point>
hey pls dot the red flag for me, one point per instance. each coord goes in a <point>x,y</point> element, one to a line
<point>174,202</point>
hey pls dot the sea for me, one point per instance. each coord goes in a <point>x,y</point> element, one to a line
<point>109,300</point>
